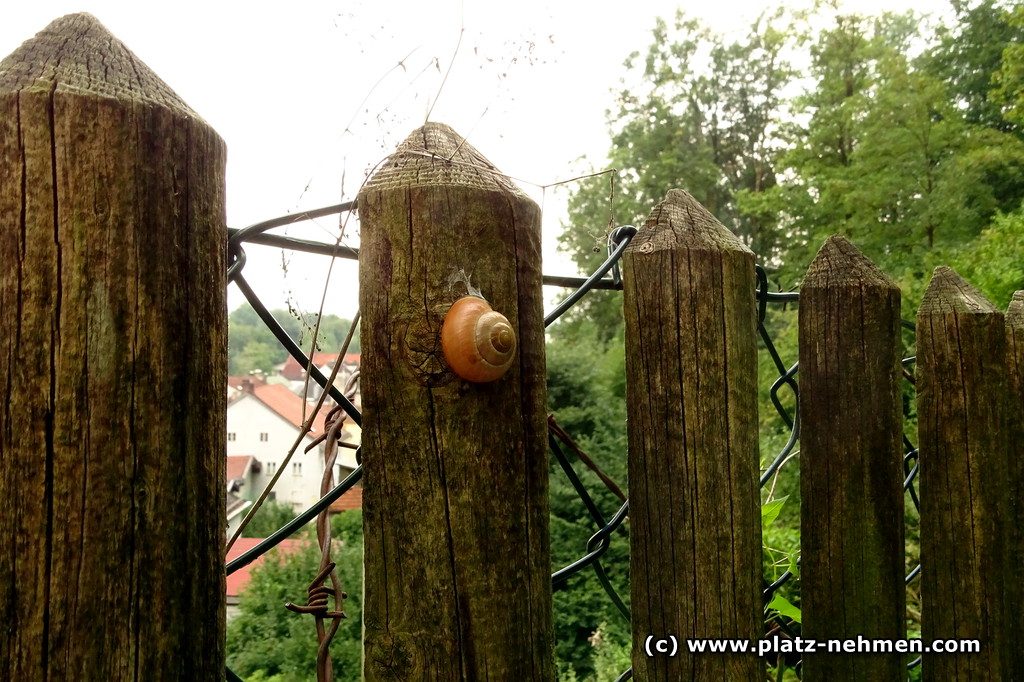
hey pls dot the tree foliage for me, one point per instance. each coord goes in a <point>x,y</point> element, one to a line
<point>251,346</point>
<point>270,516</point>
<point>704,119</point>
<point>968,55</point>
<point>268,643</point>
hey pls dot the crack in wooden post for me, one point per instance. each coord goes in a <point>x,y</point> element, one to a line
<point>962,406</point>
<point>457,560</point>
<point>691,393</point>
<point>113,362</point>
<point>851,463</point>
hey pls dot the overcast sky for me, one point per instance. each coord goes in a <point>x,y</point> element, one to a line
<point>309,94</point>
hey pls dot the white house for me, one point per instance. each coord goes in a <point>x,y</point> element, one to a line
<point>263,421</point>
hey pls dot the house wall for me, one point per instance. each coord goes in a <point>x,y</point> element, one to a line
<point>248,419</point>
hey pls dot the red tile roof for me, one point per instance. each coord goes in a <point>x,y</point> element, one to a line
<point>293,371</point>
<point>238,580</point>
<point>240,381</point>
<point>281,400</point>
<point>352,499</point>
<point>238,466</point>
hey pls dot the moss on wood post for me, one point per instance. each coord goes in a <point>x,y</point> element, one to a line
<point>112,365</point>
<point>851,463</point>
<point>458,583</point>
<point>962,405</point>
<point>691,387</point>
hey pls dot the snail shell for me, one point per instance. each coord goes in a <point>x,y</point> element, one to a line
<point>478,343</point>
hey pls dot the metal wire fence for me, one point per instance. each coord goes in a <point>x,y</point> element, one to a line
<point>605,277</point>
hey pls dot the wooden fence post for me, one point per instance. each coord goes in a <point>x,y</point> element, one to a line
<point>851,463</point>
<point>691,387</point>
<point>457,559</point>
<point>113,366</point>
<point>1015,522</point>
<point>962,402</point>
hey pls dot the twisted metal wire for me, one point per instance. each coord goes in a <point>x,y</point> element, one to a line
<point>607,276</point>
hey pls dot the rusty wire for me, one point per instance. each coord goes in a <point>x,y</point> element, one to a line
<point>318,595</point>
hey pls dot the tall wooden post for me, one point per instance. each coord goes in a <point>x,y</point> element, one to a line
<point>962,402</point>
<point>112,367</point>
<point>1014,524</point>
<point>458,569</point>
<point>851,464</point>
<point>691,388</point>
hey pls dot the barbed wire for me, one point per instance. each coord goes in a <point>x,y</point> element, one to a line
<point>605,277</point>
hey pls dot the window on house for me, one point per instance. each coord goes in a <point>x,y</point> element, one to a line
<point>271,467</point>
<point>264,437</point>
<point>297,469</point>
<point>231,435</point>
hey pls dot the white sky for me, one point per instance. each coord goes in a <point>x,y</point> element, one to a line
<point>307,95</point>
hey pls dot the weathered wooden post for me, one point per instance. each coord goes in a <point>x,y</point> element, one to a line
<point>851,463</point>
<point>112,367</point>
<point>691,388</point>
<point>458,568</point>
<point>962,403</point>
<point>1014,524</point>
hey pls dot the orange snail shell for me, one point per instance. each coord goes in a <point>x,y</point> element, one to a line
<point>478,343</point>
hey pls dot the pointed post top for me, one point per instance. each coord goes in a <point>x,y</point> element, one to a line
<point>840,263</point>
<point>77,54</point>
<point>1015,313</point>
<point>680,221</point>
<point>948,292</point>
<point>435,154</point>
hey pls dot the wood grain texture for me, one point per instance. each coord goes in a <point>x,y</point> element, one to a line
<point>457,560</point>
<point>112,365</point>
<point>962,401</point>
<point>1015,522</point>
<point>851,463</point>
<point>691,373</point>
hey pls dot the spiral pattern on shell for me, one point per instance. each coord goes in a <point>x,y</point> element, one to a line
<point>479,344</point>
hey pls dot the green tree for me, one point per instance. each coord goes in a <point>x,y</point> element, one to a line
<point>970,53</point>
<point>994,261</point>
<point>270,516</point>
<point>704,120</point>
<point>252,346</point>
<point>1008,92</point>
<point>586,395</point>
<point>888,158</point>
<point>255,356</point>
<point>268,642</point>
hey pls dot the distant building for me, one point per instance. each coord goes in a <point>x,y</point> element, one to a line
<point>242,471</point>
<point>293,371</point>
<point>263,422</point>
<point>236,507</point>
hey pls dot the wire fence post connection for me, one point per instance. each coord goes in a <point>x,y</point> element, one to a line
<point>691,389</point>
<point>114,366</point>
<point>962,404</point>
<point>457,560</point>
<point>851,463</point>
